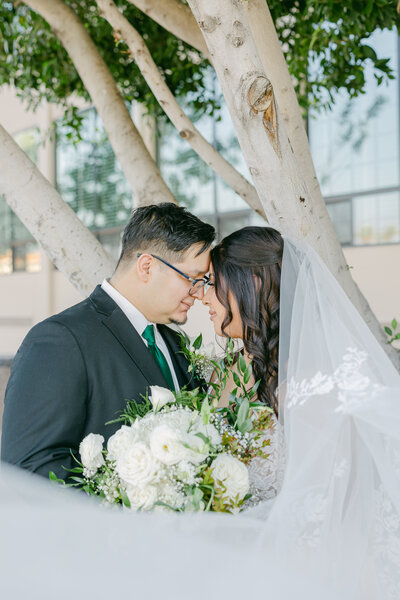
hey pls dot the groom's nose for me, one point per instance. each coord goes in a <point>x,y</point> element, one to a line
<point>199,294</point>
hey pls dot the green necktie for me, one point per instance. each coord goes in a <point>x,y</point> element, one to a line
<point>148,335</point>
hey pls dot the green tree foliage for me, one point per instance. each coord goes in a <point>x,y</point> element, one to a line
<point>329,34</point>
<point>332,36</point>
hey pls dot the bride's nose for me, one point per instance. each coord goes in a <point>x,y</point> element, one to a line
<point>206,297</point>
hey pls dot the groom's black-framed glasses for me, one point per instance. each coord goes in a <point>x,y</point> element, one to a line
<point>197,284</point>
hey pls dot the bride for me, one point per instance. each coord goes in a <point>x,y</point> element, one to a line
<point>330,525</point>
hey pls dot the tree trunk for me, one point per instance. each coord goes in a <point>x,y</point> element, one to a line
<point>274,63</point>
<point>176,18</point>
<point>66,241</point>
<point>262,135</point>
<point>168,103</point>
<point>139,167</point>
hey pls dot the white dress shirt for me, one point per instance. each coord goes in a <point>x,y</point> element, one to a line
<point>139,322</point>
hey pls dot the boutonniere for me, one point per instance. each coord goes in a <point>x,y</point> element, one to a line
<point>201,357</point>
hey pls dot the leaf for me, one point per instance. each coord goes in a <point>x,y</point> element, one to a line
<point>125,500</point>
<point>202,437</point>
<point>368,52</point>
<point>197,342</point>
<point>243,414</point>
<point>394,324</point>
<point>236,378</point>
<point>205,411</point>
<point>247,374</point>
<point>53,477</point>
<point>197,498</point>
<point>388,330</point>
<point>255,387</point>
<point>242,364</point>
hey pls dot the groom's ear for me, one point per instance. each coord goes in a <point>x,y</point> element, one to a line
<point>143,267</point>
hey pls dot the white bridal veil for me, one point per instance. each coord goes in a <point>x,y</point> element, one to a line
<point>333,531</point>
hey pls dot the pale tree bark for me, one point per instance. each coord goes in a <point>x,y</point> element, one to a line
<point>139,167</point>
<point>176,18</point>
<point>66,241</point>
<point>125,30</point>
<point>262,135</point>
<point>274,64</point>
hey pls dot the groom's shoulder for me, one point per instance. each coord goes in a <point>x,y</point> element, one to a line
<point>83,315</point>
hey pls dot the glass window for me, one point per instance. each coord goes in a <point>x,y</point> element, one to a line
<point>355,148</point>
<point>341,217</point>
<point>91,181</point>
<point>18,249</point>
<point>376,219</point>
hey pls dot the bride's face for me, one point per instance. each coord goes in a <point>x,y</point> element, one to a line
<point>218,312</point>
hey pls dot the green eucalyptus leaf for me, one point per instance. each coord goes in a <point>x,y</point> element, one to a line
<point>205,411</point>
<point>243,414</point>
<point>388,330</point>
<point>236,378</point>
<point>197,342</point>
<point>242,366</point>
<point>394,324</point>
<point>247,374</point>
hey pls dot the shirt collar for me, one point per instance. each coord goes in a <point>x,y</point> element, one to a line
<point>134,315</point>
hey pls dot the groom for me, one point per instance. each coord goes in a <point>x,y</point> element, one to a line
<point>75,370</point>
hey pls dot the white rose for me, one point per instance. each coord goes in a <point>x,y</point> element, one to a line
<point>233,474</point>
<point>209,431</point>
<point>160,396</point>
<point>119,443</point>
<point>137,465</point>
<point>197,451</point>
<point>166,445</point>
<point>142,497</point>
<point>90,449</point>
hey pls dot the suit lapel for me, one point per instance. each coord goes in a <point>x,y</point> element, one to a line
<point>122,329</point>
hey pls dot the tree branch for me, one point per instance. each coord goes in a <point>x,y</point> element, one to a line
<point>261,131</point>
<point>176,18</point>
<point>67,242</point>
<point>136,161</point>
<point>187,130</point>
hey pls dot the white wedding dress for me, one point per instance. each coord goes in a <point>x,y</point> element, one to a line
<point>328,523</point>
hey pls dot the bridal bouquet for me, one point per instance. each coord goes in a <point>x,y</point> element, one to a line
<point>179,451</point>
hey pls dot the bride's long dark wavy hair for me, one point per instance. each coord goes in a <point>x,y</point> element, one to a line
<point>247,264</point>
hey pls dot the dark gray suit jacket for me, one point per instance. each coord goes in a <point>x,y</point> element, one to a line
<point>72,374</point>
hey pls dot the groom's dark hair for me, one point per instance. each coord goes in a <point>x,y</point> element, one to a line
<point>164,229</point>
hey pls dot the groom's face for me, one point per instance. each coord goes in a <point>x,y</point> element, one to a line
<point>171,300</point>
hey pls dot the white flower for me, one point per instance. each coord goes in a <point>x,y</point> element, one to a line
<point>209,431</point>
<point>166,445</point>
<point>137,466</point>
<point>232,474</point>
<point>198,450</point>
<point>90,450</point>
<point>186,472</point>
<point>119,443</point>
<point>169,495</point>
<point>160,396</point>
<point>142,497</point>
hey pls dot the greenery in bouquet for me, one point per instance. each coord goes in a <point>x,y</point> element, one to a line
<point>180,451</point>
